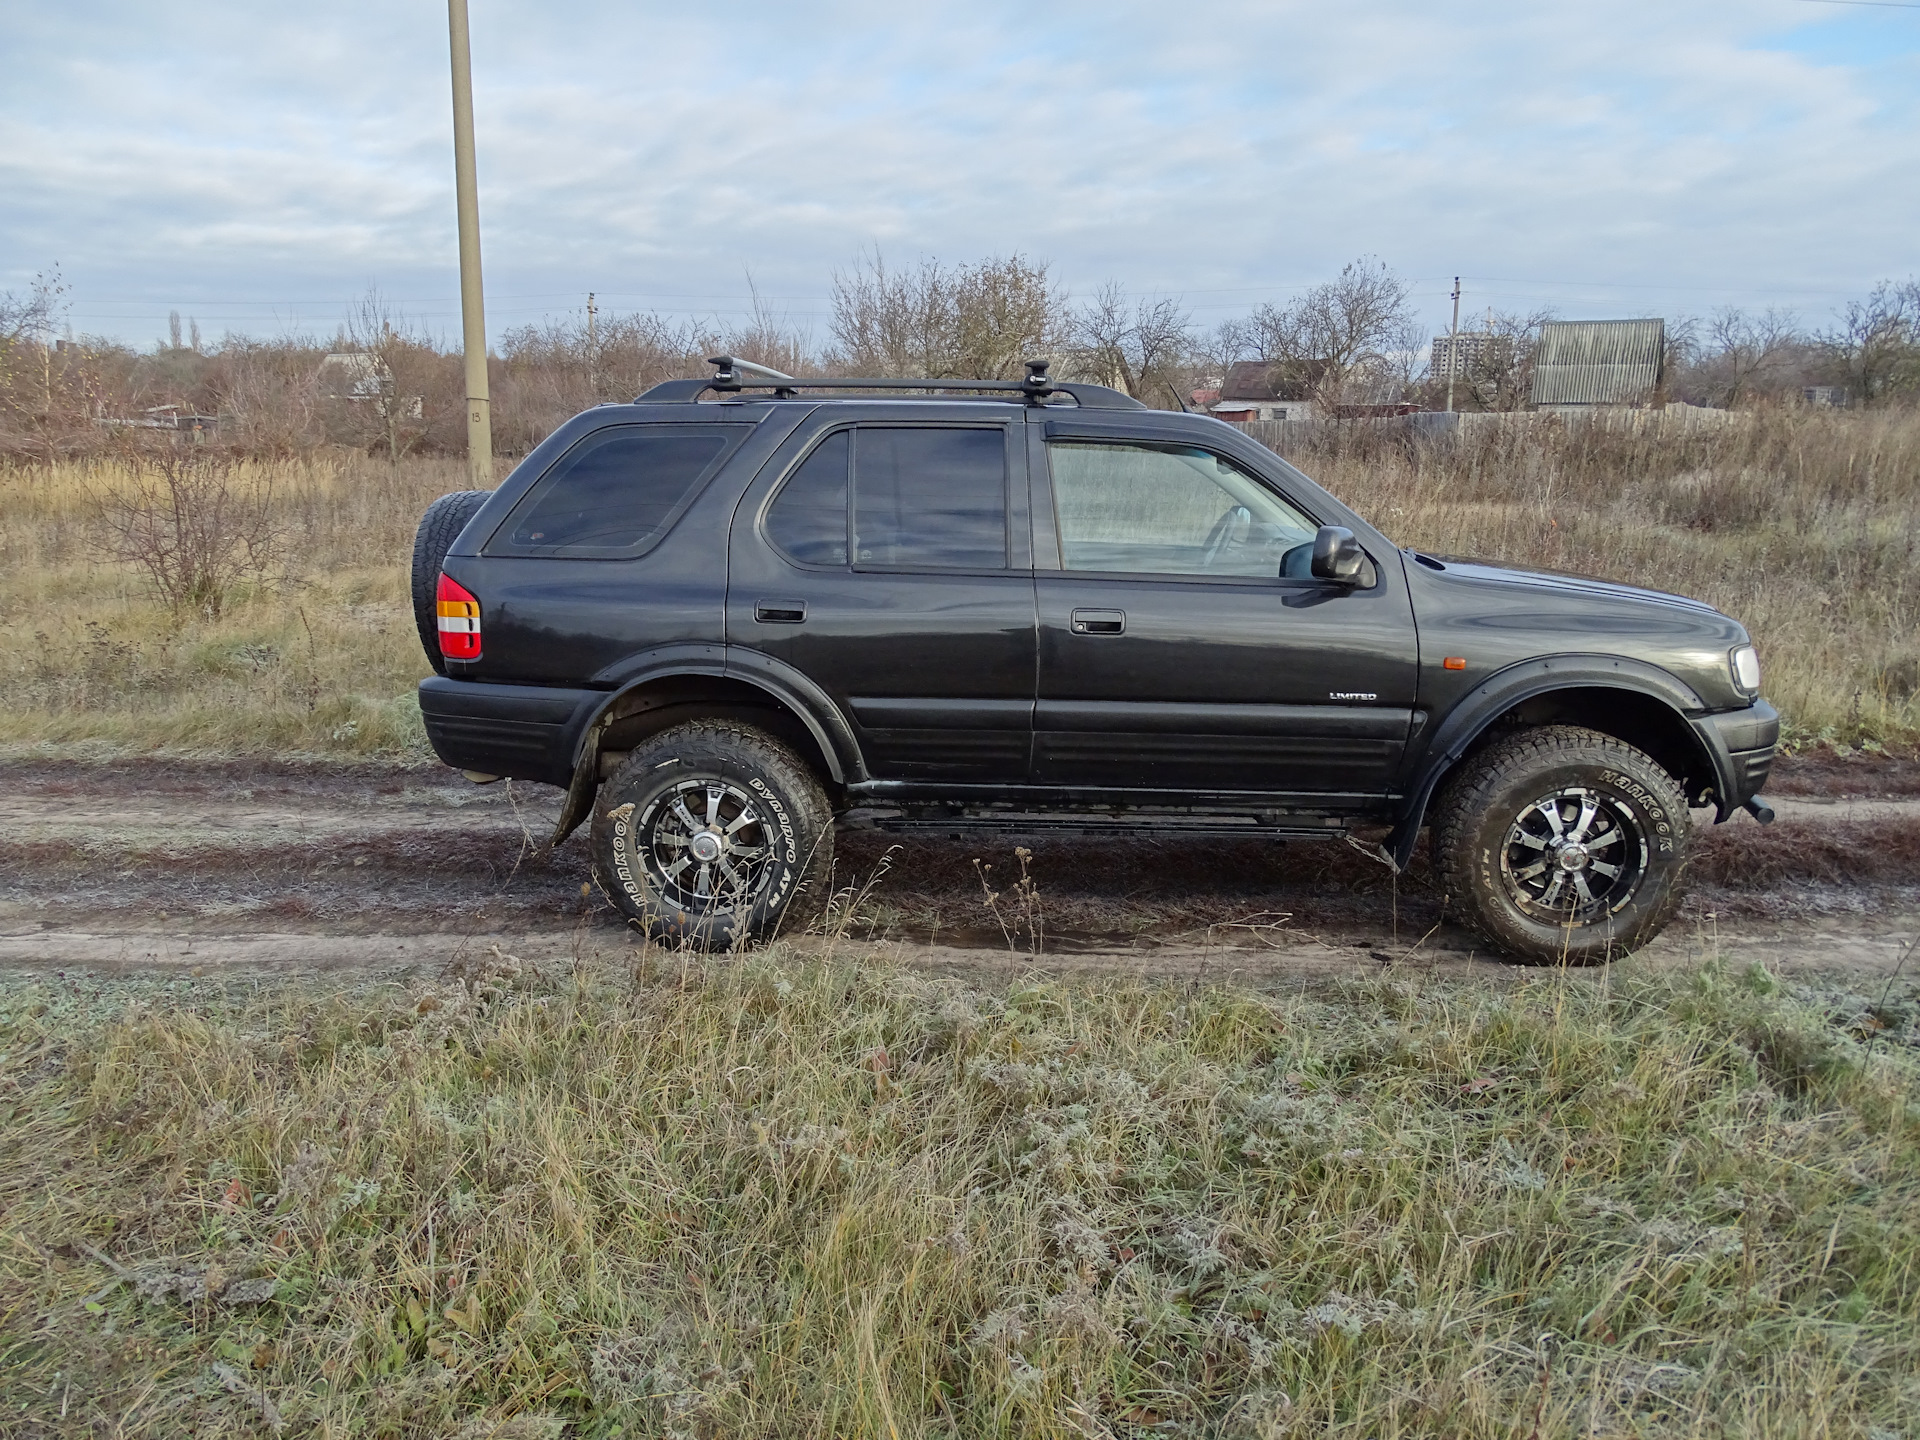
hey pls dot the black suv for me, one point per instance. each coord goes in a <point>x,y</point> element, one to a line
<point>742,608</point>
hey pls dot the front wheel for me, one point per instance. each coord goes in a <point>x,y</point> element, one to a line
<point>712,834</point>
<point>1563,846</point>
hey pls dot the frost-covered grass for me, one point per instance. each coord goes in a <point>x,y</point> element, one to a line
<point>775,1196</point>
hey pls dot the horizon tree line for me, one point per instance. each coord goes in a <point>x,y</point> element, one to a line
<point>1354,338</point>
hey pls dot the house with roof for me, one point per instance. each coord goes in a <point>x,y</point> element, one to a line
<point>1249,392</point>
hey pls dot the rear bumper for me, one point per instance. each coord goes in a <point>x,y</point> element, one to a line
<point>1742,743</point>
<point>523,731</point>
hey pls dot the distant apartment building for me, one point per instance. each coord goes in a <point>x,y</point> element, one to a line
<point>1471,352</point>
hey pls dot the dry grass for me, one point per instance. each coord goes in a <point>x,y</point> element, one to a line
<point>772,1197</point>
<point>1806,525</point>
<point>321,657</point>
<point>1803,524</point>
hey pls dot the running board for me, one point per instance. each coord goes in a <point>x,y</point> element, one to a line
<point>1055,824</point>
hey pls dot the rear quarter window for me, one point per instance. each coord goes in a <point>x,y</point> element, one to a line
<point>617,492</point>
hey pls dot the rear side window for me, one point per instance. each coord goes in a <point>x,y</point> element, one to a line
<point>930,498</point>
<point>616,492</point>
<point>922,498</point>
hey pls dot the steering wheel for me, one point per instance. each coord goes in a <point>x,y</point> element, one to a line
<point>1230,529</point>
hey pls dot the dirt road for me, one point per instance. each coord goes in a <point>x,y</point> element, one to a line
<point>201,866</point>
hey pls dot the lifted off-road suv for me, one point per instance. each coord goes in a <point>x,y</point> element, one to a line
<point>742,609</point>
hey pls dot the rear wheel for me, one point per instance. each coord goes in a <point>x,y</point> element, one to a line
<point>439,528</point>
<point>1563,846</point>
<point>713,834</point>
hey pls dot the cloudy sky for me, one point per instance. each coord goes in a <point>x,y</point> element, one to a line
<point>258,167</point>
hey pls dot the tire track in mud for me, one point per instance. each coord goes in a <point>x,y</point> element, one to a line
<point>229,865</point>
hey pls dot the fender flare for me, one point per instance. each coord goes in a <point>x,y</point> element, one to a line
<point>1500,692</point>
<point>780,682</point>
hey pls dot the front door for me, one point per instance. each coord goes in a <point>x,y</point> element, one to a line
<point>888,561</point>
<point>1185,648</point>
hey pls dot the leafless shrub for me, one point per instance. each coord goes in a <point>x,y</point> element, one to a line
<point>196,523</point>
<point>978,322</point>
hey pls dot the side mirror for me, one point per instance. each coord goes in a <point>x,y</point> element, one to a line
<point>1337,555</point>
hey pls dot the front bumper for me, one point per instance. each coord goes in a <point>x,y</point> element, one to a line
<point>1741,743</point>
<point>524,731</point>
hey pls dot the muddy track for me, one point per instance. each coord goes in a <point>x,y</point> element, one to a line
<point>259,866</point>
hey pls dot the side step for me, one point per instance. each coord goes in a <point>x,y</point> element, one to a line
<point>1051,824</point>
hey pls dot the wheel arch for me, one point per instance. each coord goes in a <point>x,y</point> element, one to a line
<point>654,692</point>
<point>1634,702</point>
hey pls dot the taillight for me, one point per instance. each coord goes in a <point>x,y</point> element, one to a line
<point>459,621</point>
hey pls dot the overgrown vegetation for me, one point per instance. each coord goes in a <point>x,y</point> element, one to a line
<point>314,653</point>
<point>1801,523</point>
<point>774,1196</point>
<point>1804,524</point>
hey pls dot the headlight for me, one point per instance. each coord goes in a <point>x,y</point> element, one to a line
<point>1746,669</point>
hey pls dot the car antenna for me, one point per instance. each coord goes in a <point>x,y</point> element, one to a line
<point>1176,398</point>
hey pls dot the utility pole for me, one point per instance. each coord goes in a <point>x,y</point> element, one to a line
<point>1453,345</point>
<point>593,349</point>
<point>473,320</point>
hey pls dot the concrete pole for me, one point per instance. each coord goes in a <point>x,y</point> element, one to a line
<point>473,319</point>
<point>1453,345</point>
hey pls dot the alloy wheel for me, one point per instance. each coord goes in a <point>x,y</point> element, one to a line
<point>708,846</point>
<point>1573,857</point>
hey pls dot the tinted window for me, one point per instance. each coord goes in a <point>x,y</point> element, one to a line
<point>809,515</point>
<point>927,497</point>
<point>618,489</point>
<point>1171,510</point>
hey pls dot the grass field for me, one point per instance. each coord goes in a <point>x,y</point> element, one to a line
<point>778,1196</point>
<point>1803,524</point>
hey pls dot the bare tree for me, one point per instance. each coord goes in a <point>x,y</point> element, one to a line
<point>1343,339</point>
<point>1877,344</point>
<point>975,322</point>
<point>1741,353</point>
<point>382,335</point>
<point>1142,347</point>
<point>27,323</point>
<point>1496,364</point>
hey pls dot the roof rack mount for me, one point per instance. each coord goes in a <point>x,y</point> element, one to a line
<point>732,375</point>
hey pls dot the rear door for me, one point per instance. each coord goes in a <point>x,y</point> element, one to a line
<point>1183,645</point>
<point>885,553</point>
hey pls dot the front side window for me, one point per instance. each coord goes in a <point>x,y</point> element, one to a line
<point>615,493</point>
<point>1171,510</point>
<point>921,498</point>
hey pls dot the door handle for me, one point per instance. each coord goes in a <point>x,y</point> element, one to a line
<point>780,612</point>
<point>1099,622</point>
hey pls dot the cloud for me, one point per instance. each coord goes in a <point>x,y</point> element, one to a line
<point>261,171</point>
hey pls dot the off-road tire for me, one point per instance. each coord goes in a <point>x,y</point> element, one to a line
<point>638,835</point>
<point>439,528</point>
<point>1503,789</point>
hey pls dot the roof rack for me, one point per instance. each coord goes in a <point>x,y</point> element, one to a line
<point>732,375</point>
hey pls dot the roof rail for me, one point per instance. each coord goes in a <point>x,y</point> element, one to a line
<point>732,375</point>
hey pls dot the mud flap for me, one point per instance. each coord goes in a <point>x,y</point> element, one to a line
<point>586,785</point>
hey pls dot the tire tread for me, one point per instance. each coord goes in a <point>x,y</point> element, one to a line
<point>1469,792</point>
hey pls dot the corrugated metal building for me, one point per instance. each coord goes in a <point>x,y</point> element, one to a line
<point>1598,362</point>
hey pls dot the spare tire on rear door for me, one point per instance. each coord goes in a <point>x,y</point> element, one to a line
<point>439,528</point>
